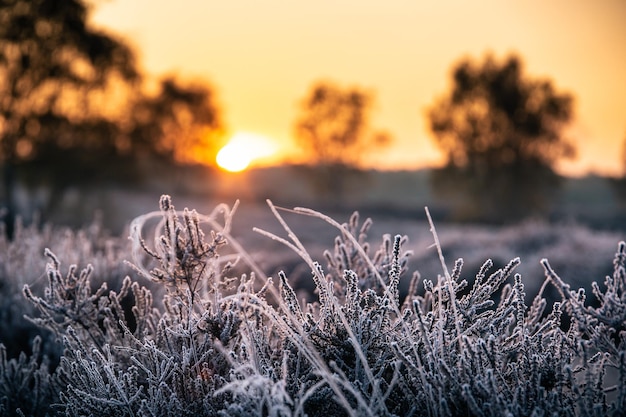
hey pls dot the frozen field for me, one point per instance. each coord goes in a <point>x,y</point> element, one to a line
<point>579,254</point>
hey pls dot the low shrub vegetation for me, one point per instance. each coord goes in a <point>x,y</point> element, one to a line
<point>180,330</point>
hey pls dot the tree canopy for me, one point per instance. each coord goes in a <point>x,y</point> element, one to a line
<point>502,133</point>
<point>51,61</point>
<point>333,127</point>
<point>496,116</point>
<point>181,122</point>
<point>73,102</point>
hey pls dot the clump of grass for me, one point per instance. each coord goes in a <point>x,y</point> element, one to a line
<point>195,339</point>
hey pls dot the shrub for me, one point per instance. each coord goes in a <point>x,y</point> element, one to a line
<point>199,340</point>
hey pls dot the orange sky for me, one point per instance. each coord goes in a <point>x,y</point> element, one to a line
<point>263,56</point>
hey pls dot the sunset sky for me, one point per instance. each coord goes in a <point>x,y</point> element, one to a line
<point>263,56</point>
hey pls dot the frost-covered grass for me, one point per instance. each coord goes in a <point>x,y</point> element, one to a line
<point>192,325</point>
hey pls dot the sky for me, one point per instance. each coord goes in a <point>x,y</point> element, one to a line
<point>263,56</point>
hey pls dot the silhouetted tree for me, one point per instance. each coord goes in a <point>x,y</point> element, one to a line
<point>50,61</point>
<point>502,133</point>
<point>180,123</point>
<point>72,105</point>
<point>333,128</point>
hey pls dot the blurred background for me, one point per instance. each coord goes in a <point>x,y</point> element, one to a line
<point>495,115</point>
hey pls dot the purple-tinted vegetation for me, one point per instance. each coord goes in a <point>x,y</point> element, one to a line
<point>192,324</point>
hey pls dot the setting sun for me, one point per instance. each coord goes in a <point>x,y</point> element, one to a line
<point>243,149</point>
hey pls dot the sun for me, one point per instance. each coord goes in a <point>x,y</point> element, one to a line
<point>230,158</point>
<point>243,149</point>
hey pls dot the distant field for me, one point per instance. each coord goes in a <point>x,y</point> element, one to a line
<point>590,200</point>
<point>395,201</point>
<point>562,242</point>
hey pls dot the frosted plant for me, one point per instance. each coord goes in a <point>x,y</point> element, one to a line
<point>147,361</point>
<point>22,261</point>
<point>196,341</point>
<point>451,350</point>
<point>26,386</point>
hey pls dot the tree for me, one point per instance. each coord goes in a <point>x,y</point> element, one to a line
<point>72,104</point>
<point>333,128</point>
<point>180,123</point>
<point>50,62</point>
<point>501,132</point>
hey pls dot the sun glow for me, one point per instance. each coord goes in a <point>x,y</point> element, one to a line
<point>243,149</point>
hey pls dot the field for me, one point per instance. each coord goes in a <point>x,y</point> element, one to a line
<point>359,320</point>
<point>586,219</point>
